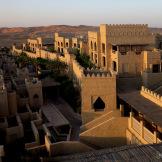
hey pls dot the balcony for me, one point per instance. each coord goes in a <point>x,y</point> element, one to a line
<point>141,132</point>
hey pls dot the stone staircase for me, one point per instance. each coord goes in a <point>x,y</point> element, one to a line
<point>99,120</point>
<point>109,131</point>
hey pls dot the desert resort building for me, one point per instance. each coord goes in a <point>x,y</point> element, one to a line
<point>121,97</point>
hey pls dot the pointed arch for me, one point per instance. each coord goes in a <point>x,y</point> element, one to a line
<point>99,104</point>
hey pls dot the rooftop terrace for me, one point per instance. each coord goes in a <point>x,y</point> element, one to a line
<point>54,116</point>
<point>150,110</point>
<point>131,153</point>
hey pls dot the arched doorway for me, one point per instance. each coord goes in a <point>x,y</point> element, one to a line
<point>114,66</point>
<point>99,104</point>
<point>67,45</point>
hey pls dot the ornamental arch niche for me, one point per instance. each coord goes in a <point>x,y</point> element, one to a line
<point>99,104</point>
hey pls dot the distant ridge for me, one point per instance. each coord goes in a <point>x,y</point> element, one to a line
<point>18,35</point>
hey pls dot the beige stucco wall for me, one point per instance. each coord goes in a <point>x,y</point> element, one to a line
<point>59,42</point>
<point>83,47</point>
<point>93,37</point>
<point>151,95</point>
<point>94,87</point>
<point>99,118</point>
<point>77,71</point>
<point>68,42</point>
<point>74,42</point>
<point>137,133</point>
<point>131,59</point>
<point>110,133</point>
<point>34,89</point>
<point>130,63</point>
<point>104,40</point>
<point>150,58</point>
<point>90,116</point>
<point>33,44</point>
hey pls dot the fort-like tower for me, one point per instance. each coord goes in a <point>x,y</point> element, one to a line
<point>98,93</point>
<point>34,89</point>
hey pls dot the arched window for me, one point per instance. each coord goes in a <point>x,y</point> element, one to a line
<point>67,44</point>
<point>95,46</point>
<point>62,50</point>
<point>74,45</point>
<point>103,47</point>
<point>91,45</point>
<point>59,49</point>
<point>96,58</point>
<point>103,61</point>
<point>99,104</point>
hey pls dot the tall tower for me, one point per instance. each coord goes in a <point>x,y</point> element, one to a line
<point>3,98</point>
<point>98,94</point>
<point>34,89</point>
<point>105,48</point>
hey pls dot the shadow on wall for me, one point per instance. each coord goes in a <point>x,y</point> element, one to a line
<point>103,142</point>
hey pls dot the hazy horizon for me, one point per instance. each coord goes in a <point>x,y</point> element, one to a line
<point>35,13</point>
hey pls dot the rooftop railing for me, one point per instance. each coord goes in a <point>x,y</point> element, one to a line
<point>141,132</point>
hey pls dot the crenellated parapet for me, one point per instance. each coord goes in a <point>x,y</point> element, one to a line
<point>16,51</point>
<point>78,72</point>
<point>128,25</point>
<point>127,33</point>
<point>149,92</point>
<point>151,95</point>
<point>97,84</point>
<point>95,72</point>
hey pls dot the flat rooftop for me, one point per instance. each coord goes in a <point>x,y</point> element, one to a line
<point>54,116</point>
<point>74,119</point>
<point>131,153</point>
<point>151,111</point>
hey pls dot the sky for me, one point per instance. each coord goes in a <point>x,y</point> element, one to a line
<point>20,13</point>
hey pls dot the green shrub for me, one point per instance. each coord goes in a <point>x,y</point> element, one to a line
<point>82,59</point>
